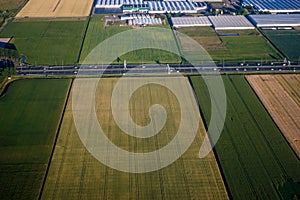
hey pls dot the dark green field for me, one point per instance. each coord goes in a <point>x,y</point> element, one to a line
<point>249,46</point>
<point>47,42</point>
<point>254,157</point>
<point>29,114</point>
<point>287,41</point>
<point>97,33</point>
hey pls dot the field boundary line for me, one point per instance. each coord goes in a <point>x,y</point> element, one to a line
<point>85,32</point>
<point>206,128</point>
<point>259,127</point>
<point>268,112</point>
<point>56,138</point>
<point>5,24</point>
<point>272,44</point>
<point>83,39</point>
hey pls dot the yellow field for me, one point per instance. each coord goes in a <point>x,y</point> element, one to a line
<point>76,174</point>
<point>56,8</point>
<point>280,94</point>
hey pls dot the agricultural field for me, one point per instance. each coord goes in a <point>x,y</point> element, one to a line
<point>287,41</point>
<point>56,8</point>
<point>256,161</point>
<point>30,111</point>
<point>280,94</point>
<point>97,33</point>
<point>75,173</point>
<point>47,42</point>
<point>11,4</point>
<point>248,46</point>
<point>8,9</point>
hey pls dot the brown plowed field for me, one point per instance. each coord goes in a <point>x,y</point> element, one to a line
<point>280,94</point>
<point>56,8</point>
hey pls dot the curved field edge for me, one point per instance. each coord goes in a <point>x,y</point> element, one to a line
<point>29,113</point>
<point>254,157</point>
<point>280,95</point>
<point>75,173</point>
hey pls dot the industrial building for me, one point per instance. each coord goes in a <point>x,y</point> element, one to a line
<point>230,22</point>
<point>129,6</point>
<point>279,20</point>
<point>274,6</point>
<point>190,21</point>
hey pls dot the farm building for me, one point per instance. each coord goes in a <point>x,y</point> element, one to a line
<point>141,19</point>
<point>274,6</point>
<point>230,22</point>
<point>171,7</point>
<point>190,21</point>
<point>151,6</point>
<point>280,20</point>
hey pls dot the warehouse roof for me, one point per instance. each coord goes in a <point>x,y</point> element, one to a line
<point>228,22</point>
<point>275,20</point>
<point>190,21</point>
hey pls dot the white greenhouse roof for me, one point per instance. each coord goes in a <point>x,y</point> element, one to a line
<point>275,20</point>
<point>229,22</point>
<point>190,21</point>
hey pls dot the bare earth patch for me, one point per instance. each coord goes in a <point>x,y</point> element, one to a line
<point>280,94</point>
<point>56,8</point>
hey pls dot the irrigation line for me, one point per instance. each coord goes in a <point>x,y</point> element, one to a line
<point>55,139</point>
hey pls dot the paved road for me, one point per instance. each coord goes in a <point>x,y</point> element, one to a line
<point>156,69</point>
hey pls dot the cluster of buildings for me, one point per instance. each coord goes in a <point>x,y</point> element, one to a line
<point>220,22</point>
<point>141,19</point>
<point>280,10</point>
<point>129,6</point>
<point>230,22</point>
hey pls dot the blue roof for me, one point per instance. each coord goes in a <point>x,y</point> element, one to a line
<point>274,5</point>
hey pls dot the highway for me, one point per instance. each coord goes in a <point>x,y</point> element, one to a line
<point>156,69</point>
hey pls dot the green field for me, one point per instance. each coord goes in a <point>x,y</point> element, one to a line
<point>76,174</point>
<point>47,42</point>
<point>29,113</point>
<point>97,33</point>
<point>11,4</point>
<point>254,157</point>
<point>248,46</point>
<point>287,41</point>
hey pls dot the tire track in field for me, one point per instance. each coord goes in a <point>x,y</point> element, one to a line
<point>258,126</point>
<point>278,102</point>
<point>56,137</point>
<point>245,172</point>
<point>267,146</point>
<point>288,84</point>
<point>55,7</point>
<point>205,124</point>
<point>273,92</point>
